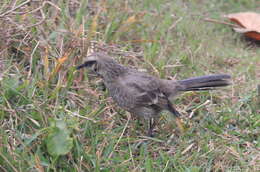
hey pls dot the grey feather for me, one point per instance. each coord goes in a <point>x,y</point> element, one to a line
<point>145,95</point>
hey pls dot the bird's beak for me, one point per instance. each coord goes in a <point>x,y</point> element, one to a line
<point>88,63</point>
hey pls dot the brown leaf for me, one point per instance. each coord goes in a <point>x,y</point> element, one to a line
<point>249,21</point>
<point>59,64</point>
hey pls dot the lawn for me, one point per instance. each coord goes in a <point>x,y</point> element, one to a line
<point>54,118</point>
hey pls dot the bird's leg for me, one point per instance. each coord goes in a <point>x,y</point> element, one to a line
<point>177,115</point>
<point>172,109</point>
<point>151,126</point>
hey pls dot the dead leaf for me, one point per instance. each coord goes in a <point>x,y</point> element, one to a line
<point>46,63</point>
<point>249,22</point>
<point>59,64</point>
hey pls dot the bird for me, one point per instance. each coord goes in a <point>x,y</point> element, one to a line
<point>145,95</point>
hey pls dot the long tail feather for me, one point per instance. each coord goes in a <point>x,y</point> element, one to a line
<point>207,82</point>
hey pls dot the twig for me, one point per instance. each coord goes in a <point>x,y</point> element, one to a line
<point>40,22</point>
<point>34,10</point>
<point>187,149</point>
<point>77,115</point>
<point>15,8</point>
<point>152,138</point>
<point>31,59</point>
<point>193,111</point>
<point>39,8</point>
<point>220,22</point>
<point>175,23</point>
<point>29,12</point>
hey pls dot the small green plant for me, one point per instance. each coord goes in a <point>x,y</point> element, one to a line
<point>59,140</point>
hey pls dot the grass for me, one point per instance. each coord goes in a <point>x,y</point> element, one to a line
<point>54,118</point>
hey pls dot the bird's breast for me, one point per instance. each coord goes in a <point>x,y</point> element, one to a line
<point>121,96</point>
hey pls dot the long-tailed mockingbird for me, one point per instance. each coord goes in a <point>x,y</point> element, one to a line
<point>142,94</point>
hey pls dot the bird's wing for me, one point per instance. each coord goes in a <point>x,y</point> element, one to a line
<point>144,88</point>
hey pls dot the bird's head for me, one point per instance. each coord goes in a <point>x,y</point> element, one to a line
<point>102,64</point>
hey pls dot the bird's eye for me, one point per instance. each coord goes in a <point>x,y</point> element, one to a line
<point>95,68</point>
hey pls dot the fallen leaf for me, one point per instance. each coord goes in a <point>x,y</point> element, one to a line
<point>249,22</point>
